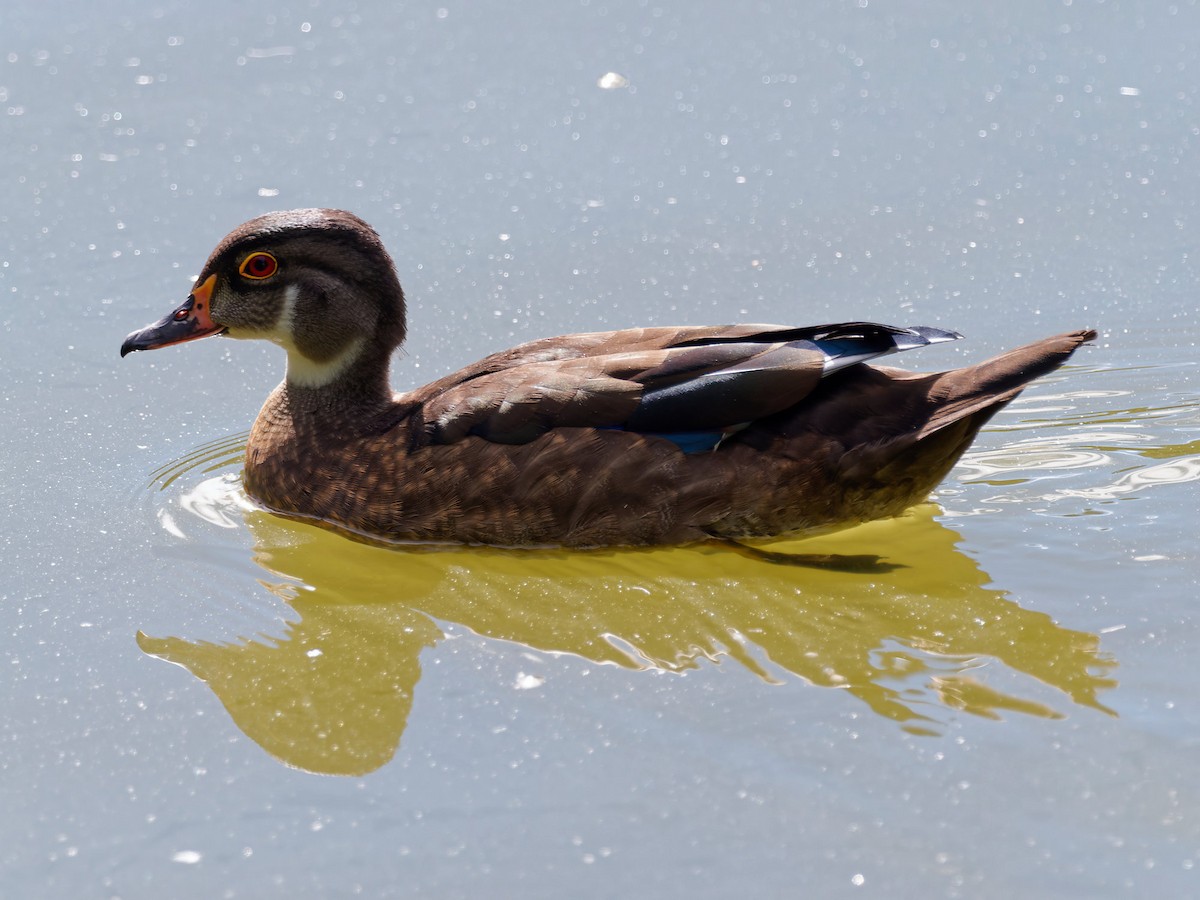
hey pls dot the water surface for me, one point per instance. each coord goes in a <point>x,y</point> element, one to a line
<point>1006,707</point>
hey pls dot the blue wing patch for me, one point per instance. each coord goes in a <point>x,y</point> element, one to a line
<point>693,441</point>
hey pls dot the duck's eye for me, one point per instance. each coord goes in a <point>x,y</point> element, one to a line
<point>259,266</point>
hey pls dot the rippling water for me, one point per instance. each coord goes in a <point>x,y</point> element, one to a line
<point>919,646</point>
<point>915,648</point>
<point>1124,445</point>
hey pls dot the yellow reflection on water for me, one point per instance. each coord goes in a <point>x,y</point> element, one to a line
<point>914,644</point>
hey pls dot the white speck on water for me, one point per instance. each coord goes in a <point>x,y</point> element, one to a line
<point>611,81</point>
<point>526,682</point>
<point>268,192</point>
<point>1130,91</point>
<point>187,857</point>
<point>269,52</point>
<point>858,880</point>
<point>315,652</point>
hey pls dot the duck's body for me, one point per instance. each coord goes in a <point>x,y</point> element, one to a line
<point>642,436</point>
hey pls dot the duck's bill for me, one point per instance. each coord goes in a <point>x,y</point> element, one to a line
<point>187,323</point>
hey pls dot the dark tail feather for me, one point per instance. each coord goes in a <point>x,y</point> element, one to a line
<point>945,410</point>
<point>991,384</point>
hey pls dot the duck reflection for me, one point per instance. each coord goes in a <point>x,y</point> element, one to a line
<point>333,694</point>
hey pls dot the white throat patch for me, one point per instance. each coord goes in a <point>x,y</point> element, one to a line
<point>301,370</point>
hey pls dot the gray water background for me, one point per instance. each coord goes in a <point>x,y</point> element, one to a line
<point>1009,171</point>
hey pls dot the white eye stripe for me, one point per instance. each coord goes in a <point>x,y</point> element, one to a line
<point>287,314</point>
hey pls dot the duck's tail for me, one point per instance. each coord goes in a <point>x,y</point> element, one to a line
<point>991,384</point>
<point>943,413</point>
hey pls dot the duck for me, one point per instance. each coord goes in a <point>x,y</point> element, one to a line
<point>634,437</point>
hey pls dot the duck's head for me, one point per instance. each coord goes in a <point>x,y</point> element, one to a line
<point>318,282</point>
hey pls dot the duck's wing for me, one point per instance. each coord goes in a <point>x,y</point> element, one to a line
<point>692,385</point>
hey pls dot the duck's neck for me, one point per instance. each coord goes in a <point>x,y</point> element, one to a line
<point>350,388</point>
<point>304,431</point>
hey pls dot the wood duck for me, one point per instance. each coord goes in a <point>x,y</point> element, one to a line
<point>632,437</point>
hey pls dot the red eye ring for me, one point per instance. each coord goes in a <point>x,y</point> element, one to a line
<point>258,266</point>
